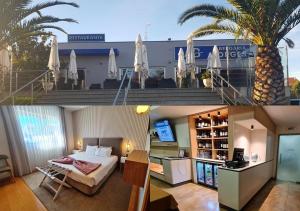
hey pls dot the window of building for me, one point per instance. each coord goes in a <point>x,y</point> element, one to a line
<point>154,72</point>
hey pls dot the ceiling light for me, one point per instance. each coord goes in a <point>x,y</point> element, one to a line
<point>219,113</point>
<point>200,118</point>
<point>142,109</point>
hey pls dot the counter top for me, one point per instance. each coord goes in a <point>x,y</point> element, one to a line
<point>168,158</point>
<point>250,165</point>
<point>209,160</point>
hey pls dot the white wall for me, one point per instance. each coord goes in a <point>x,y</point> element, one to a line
<point>258,144</point>
<point>257,141</point>
<point>182,131</point>
<point>241,138</point>
<point>4,149</point>
<point>112,122</point>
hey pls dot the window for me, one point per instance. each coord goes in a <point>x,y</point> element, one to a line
<point>123,70</point>
<point>154,72</point>
<point>157,72</point>
<point>42,131</point>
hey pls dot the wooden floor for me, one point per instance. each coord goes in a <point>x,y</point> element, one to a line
<point>275,196</point>
<point>18,197</point>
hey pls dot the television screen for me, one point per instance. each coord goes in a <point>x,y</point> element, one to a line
<point>164,131</point>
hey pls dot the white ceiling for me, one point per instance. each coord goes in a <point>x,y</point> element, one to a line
<point>286,116</point>
<point>248,122</point>
<point>172,112</point>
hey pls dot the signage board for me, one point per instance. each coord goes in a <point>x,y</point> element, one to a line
<point>86,38</point>
<point>235,51</point>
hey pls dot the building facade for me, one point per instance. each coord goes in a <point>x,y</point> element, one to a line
<point>92,58</point>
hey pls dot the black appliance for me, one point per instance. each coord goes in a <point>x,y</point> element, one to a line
<point>237,159</point>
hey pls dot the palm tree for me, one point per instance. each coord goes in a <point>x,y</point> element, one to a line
<point>263,22</point>
<point>19,19</point>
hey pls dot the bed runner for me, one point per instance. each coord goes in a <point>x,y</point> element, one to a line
<point>51,171</point>
<point>83,166</point>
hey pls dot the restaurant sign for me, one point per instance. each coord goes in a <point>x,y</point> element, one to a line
<point>235,51</point>
<point>86,38</point>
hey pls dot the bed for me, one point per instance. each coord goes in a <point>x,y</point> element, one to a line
<point>91,183</point>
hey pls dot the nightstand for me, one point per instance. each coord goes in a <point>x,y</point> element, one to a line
<point>122,162</point>
<point>75,151</point>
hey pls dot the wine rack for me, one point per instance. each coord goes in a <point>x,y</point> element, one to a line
<point>211,134</point>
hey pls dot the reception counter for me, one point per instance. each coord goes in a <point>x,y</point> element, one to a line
<point>238,186</point>
<point>172,170</point>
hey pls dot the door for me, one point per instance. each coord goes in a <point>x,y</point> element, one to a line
<point>200,172</point>
<point>288,168</point>
<point>216,175</point>
<point>209,174</point>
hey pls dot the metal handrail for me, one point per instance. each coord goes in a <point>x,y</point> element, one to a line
<point>120,88</point>
<point>219,83</point>
<point>127,89</point>
<point>12,95</point>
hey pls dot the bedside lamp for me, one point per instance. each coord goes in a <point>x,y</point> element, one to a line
<point>127,149</point>
<point>79,145</point>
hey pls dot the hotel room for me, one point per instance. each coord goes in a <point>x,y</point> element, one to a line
<point>224,158</point>
<point>73,158</point>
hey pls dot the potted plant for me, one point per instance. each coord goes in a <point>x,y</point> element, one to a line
<point>206,77</point>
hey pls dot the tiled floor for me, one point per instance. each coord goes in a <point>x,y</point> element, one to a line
<point>275,196</point>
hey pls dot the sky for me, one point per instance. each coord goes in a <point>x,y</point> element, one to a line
<point>122,20</point>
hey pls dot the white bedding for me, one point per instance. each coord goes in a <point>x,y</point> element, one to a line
<point>96,176</point>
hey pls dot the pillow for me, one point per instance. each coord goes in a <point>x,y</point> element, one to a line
<point>103,151</point>
<point>91,150</point>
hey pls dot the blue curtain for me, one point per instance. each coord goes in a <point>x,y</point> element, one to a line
<point>42,131</point>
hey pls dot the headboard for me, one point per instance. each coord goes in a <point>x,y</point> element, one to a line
<point>90,142</point>
<point>115,143</point>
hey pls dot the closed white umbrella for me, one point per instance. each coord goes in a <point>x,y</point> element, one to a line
<point>138,58</point>
<point>72,71</point>
<point>216,61</point>
<point>209,62</point>
<point>190,57</point>
<point>145,64</point>
<point>54,63</point>
<point>112,65</point>
<point>5,65</point>
<point>181,67</point>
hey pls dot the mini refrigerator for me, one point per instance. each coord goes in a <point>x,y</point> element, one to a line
<point>207,174</point>
<point>216,176</point>
<point>200,172</point>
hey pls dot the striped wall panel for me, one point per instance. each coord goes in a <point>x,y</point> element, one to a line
<point>110,122</point>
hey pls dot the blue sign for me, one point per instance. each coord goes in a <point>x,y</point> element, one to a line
<point>86,38</point>
<point>235,51</point>
<point>88,52</point>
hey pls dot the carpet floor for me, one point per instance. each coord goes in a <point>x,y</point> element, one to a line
<point>113,195</point>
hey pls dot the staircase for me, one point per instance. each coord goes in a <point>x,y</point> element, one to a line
<point>172,96</point>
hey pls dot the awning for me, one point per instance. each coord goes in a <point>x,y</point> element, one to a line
<point>87,52</point>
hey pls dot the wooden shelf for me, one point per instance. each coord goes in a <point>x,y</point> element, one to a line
<point>220,126</point>
<point>214,141</point>
<point>221,149</point>
<point>203,128</point>
<point>219,138</point>
<point>204,138</point>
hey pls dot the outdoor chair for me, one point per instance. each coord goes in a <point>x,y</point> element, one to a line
<point>167,83</point>
<point>95,86</point>
<point>151,83</point>
<point>5,169</point>
<point>111,84</point>
<point>61,85</point>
